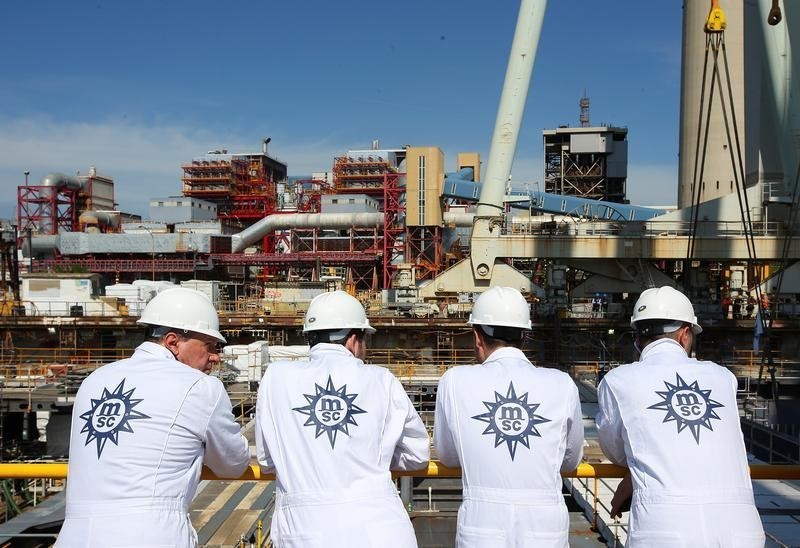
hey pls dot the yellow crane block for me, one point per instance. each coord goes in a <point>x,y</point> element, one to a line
<point>716,18</point>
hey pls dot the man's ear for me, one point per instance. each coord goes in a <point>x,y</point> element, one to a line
<point>686,338</point>
<point>171,341</point>
<point>480,341</point>
<point>350,341</point>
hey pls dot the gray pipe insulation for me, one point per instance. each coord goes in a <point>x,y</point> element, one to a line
<point>268,224</point>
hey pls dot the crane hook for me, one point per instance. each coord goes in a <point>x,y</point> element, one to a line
<point>774,16</point>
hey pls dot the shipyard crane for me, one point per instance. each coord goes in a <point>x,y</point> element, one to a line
<point>485,266</point>
<point>622,253</point>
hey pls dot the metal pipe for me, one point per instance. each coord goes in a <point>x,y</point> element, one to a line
<point>457,218</point>
<point>92,218</point>
<point>59,180</point>
<point>270,223</point>
<point>42,244</point>
<point>435,469</point>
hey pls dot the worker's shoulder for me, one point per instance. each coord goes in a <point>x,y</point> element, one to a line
<point>550,372</point>
<point>619,373</point>
<point>380,373</point>
<point>283,366</point>
<point>167,374</point>
<point>716,368</point>
<point>458,371</point>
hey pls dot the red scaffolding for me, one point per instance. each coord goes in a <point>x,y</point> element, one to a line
<point>393,224</point>
<point>46,209</point>
<point>243,187</point>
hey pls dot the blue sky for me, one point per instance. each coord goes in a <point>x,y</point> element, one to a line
<point>138,88</point>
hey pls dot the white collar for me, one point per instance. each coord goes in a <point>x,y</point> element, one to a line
<point>505,352</point>
<point>156,349</point>
<point>661,345</point>
<point>330,348</point>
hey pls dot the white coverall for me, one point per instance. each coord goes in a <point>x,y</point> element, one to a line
<point>142,428</point>
<point>674,421</point>
<point>332,428</point>
<point>513,428</point>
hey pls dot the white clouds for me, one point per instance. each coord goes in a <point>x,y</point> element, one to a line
<point>144,161</point>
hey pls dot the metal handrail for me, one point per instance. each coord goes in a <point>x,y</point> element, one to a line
<point>393,358</point>
<point>58,470</point>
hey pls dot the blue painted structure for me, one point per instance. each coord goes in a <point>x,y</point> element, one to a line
<point>457,185</point>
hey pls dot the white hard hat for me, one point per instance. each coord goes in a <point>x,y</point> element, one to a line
<point>336,310</point>
<point>185,309</point>
<point>665,303</point>
<point>502,307</point>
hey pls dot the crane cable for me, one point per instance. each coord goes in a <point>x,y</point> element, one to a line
<point>715,42</point>
<point>714,29</point>
<point>699,159</point>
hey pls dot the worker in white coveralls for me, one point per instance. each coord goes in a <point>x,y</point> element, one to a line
<point>332,428</point>
<point>513,428</point>
<point>143,427</point>
<point>674,422</point>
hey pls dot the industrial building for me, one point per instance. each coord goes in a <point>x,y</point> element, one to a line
<point>415,235</point>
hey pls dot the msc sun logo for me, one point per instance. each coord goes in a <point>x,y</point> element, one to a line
<point>511,419</point>
<point>330,410</point>
<point>688,405</point>
<point>110,415</point>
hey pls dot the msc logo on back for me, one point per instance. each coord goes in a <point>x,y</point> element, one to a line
<point>109,415</point>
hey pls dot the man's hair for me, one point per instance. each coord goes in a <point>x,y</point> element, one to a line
<point>496,336</point>
<point>333,336</point>
<point>156,333</point>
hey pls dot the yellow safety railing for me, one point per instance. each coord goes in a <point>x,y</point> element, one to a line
<point>58,470</point>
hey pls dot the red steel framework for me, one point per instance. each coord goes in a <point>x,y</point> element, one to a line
<point>243,189</point>
<point>309,194</point>
<point>105,266</point>
<point>320,252</point>
<point>360,175</point>
<point>374,176</point>
<point>286,260</point>
<point>242,186</point>
<point>394,208</point>
<point>425,250</point>
<point>46,209</point>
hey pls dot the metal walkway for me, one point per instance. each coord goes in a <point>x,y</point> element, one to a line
<point>227,512</point>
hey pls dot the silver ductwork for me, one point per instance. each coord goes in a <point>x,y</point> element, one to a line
<point>457,218</point>
<point>271,223</point>
<point>54,182</point>
<point>91,218</point>
<point>40,245</point>
<point>59,180</point>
